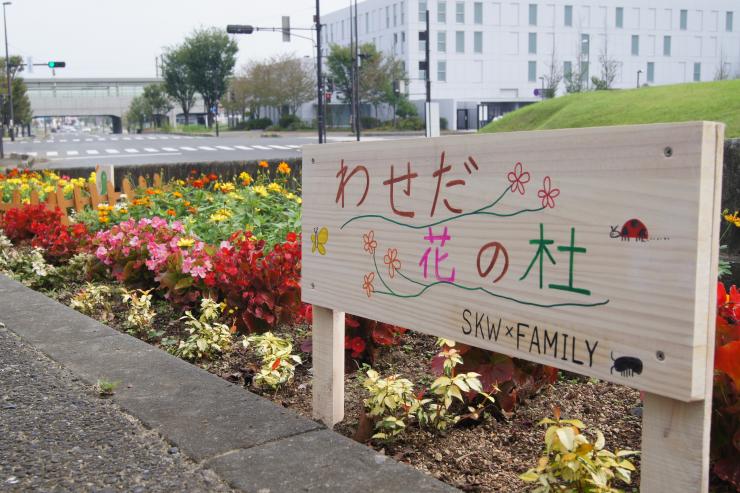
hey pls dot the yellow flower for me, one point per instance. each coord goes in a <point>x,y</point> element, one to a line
<point>246,178</point>
<point>283,168</point>
<point>733,218</point>
<point>298,200</point>
<point>220,215</point>
<point>177,194</point>
<point>186,242</point>
<point>274,187</point>
<point>227,187</point>
<point>260,190</point>
<point>48,189</point>
<point>92,177</point>
<point>104,219</point>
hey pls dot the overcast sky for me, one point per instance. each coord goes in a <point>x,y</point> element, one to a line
<point>121,38</point>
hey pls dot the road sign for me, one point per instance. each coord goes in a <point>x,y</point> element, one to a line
<point>286,28</point>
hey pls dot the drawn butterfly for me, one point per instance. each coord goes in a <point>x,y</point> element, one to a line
<point>319,239</point>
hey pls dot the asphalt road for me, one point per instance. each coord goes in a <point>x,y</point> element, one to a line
<point>57,435</point>
<point>65,150</point>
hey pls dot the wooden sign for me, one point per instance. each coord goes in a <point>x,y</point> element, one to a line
<point>592,250</point>
<point>588,250</point>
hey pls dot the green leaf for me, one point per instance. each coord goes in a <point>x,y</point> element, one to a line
<point>530,476</point>
<point>567,437</point>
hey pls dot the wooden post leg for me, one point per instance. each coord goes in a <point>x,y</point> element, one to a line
<point>675,445</point>
<point>328,365</point>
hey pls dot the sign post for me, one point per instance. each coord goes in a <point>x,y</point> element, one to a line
<point>591,250</point>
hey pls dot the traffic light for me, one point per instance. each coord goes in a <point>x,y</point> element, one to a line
<point>57,64</point>
<point>239,29</point>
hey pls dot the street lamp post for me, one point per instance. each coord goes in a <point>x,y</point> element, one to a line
<point>638,78</point>
<point>7,75</point>
<point>319,82</point>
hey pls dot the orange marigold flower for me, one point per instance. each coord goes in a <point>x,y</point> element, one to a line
<point>149,191</point>
<point>369,243</point>
<point>171,212</point>
<point>367,284</point>
<point>213,177</point>
<point>177,194</point>
<point>192,210</point>
<point>198,183</point>
<point>263,164</point>
<point>283,168</point>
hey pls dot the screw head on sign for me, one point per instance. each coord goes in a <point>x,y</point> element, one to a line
<point>660,355</point>
<point>668,151</point>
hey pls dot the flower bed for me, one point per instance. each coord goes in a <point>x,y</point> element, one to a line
<point>209,270</point>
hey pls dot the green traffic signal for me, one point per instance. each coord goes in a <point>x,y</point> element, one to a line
<point>57,64</point>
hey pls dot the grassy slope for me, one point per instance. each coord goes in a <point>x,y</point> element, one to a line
<point>715,101</point>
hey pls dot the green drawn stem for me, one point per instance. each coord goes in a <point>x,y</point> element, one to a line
<point>426,287</point>
<point>441,221</point>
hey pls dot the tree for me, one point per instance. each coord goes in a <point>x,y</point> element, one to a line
<point>211,56</point>
<point>137,113</point>
<point>376,75</point>
<point>576,78</point>
<point>340,68</point>
<point>22,112</point>
<point>394,96</point>
<point>292,81</point>
<point>723,69</point>
<point>553,76</point>
<point>178,81</point>
<point>609,68</point>
<point>156,102</point>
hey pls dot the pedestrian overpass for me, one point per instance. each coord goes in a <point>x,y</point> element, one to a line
<point>75,97</point>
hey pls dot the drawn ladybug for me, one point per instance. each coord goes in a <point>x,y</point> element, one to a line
<point>634,228</point>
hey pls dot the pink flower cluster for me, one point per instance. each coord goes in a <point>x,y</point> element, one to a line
<point>154,243</point>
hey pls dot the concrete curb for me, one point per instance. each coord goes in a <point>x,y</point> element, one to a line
<point>249,441</point>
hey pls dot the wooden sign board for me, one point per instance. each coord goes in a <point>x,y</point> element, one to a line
<point>589,250</point>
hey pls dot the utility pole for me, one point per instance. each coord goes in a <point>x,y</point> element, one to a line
<point>427,77</point>
<point>7,74</point>
<point>357,75</point>
<point>319,78</point>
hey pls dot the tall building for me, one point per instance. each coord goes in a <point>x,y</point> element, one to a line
<point>489,56</point>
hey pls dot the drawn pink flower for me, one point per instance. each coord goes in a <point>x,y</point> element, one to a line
<point>392,261</point>
<point>369,242</point>
<point>518,178</point>
<point>548,194</point>
<point>367,284</point>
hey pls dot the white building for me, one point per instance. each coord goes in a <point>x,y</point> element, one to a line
<point>487,56</point>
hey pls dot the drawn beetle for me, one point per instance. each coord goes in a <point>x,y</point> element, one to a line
<point>634,228</point>
<point>627,366</point>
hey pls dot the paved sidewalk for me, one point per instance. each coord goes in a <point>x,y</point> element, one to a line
<point>56,434</point>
